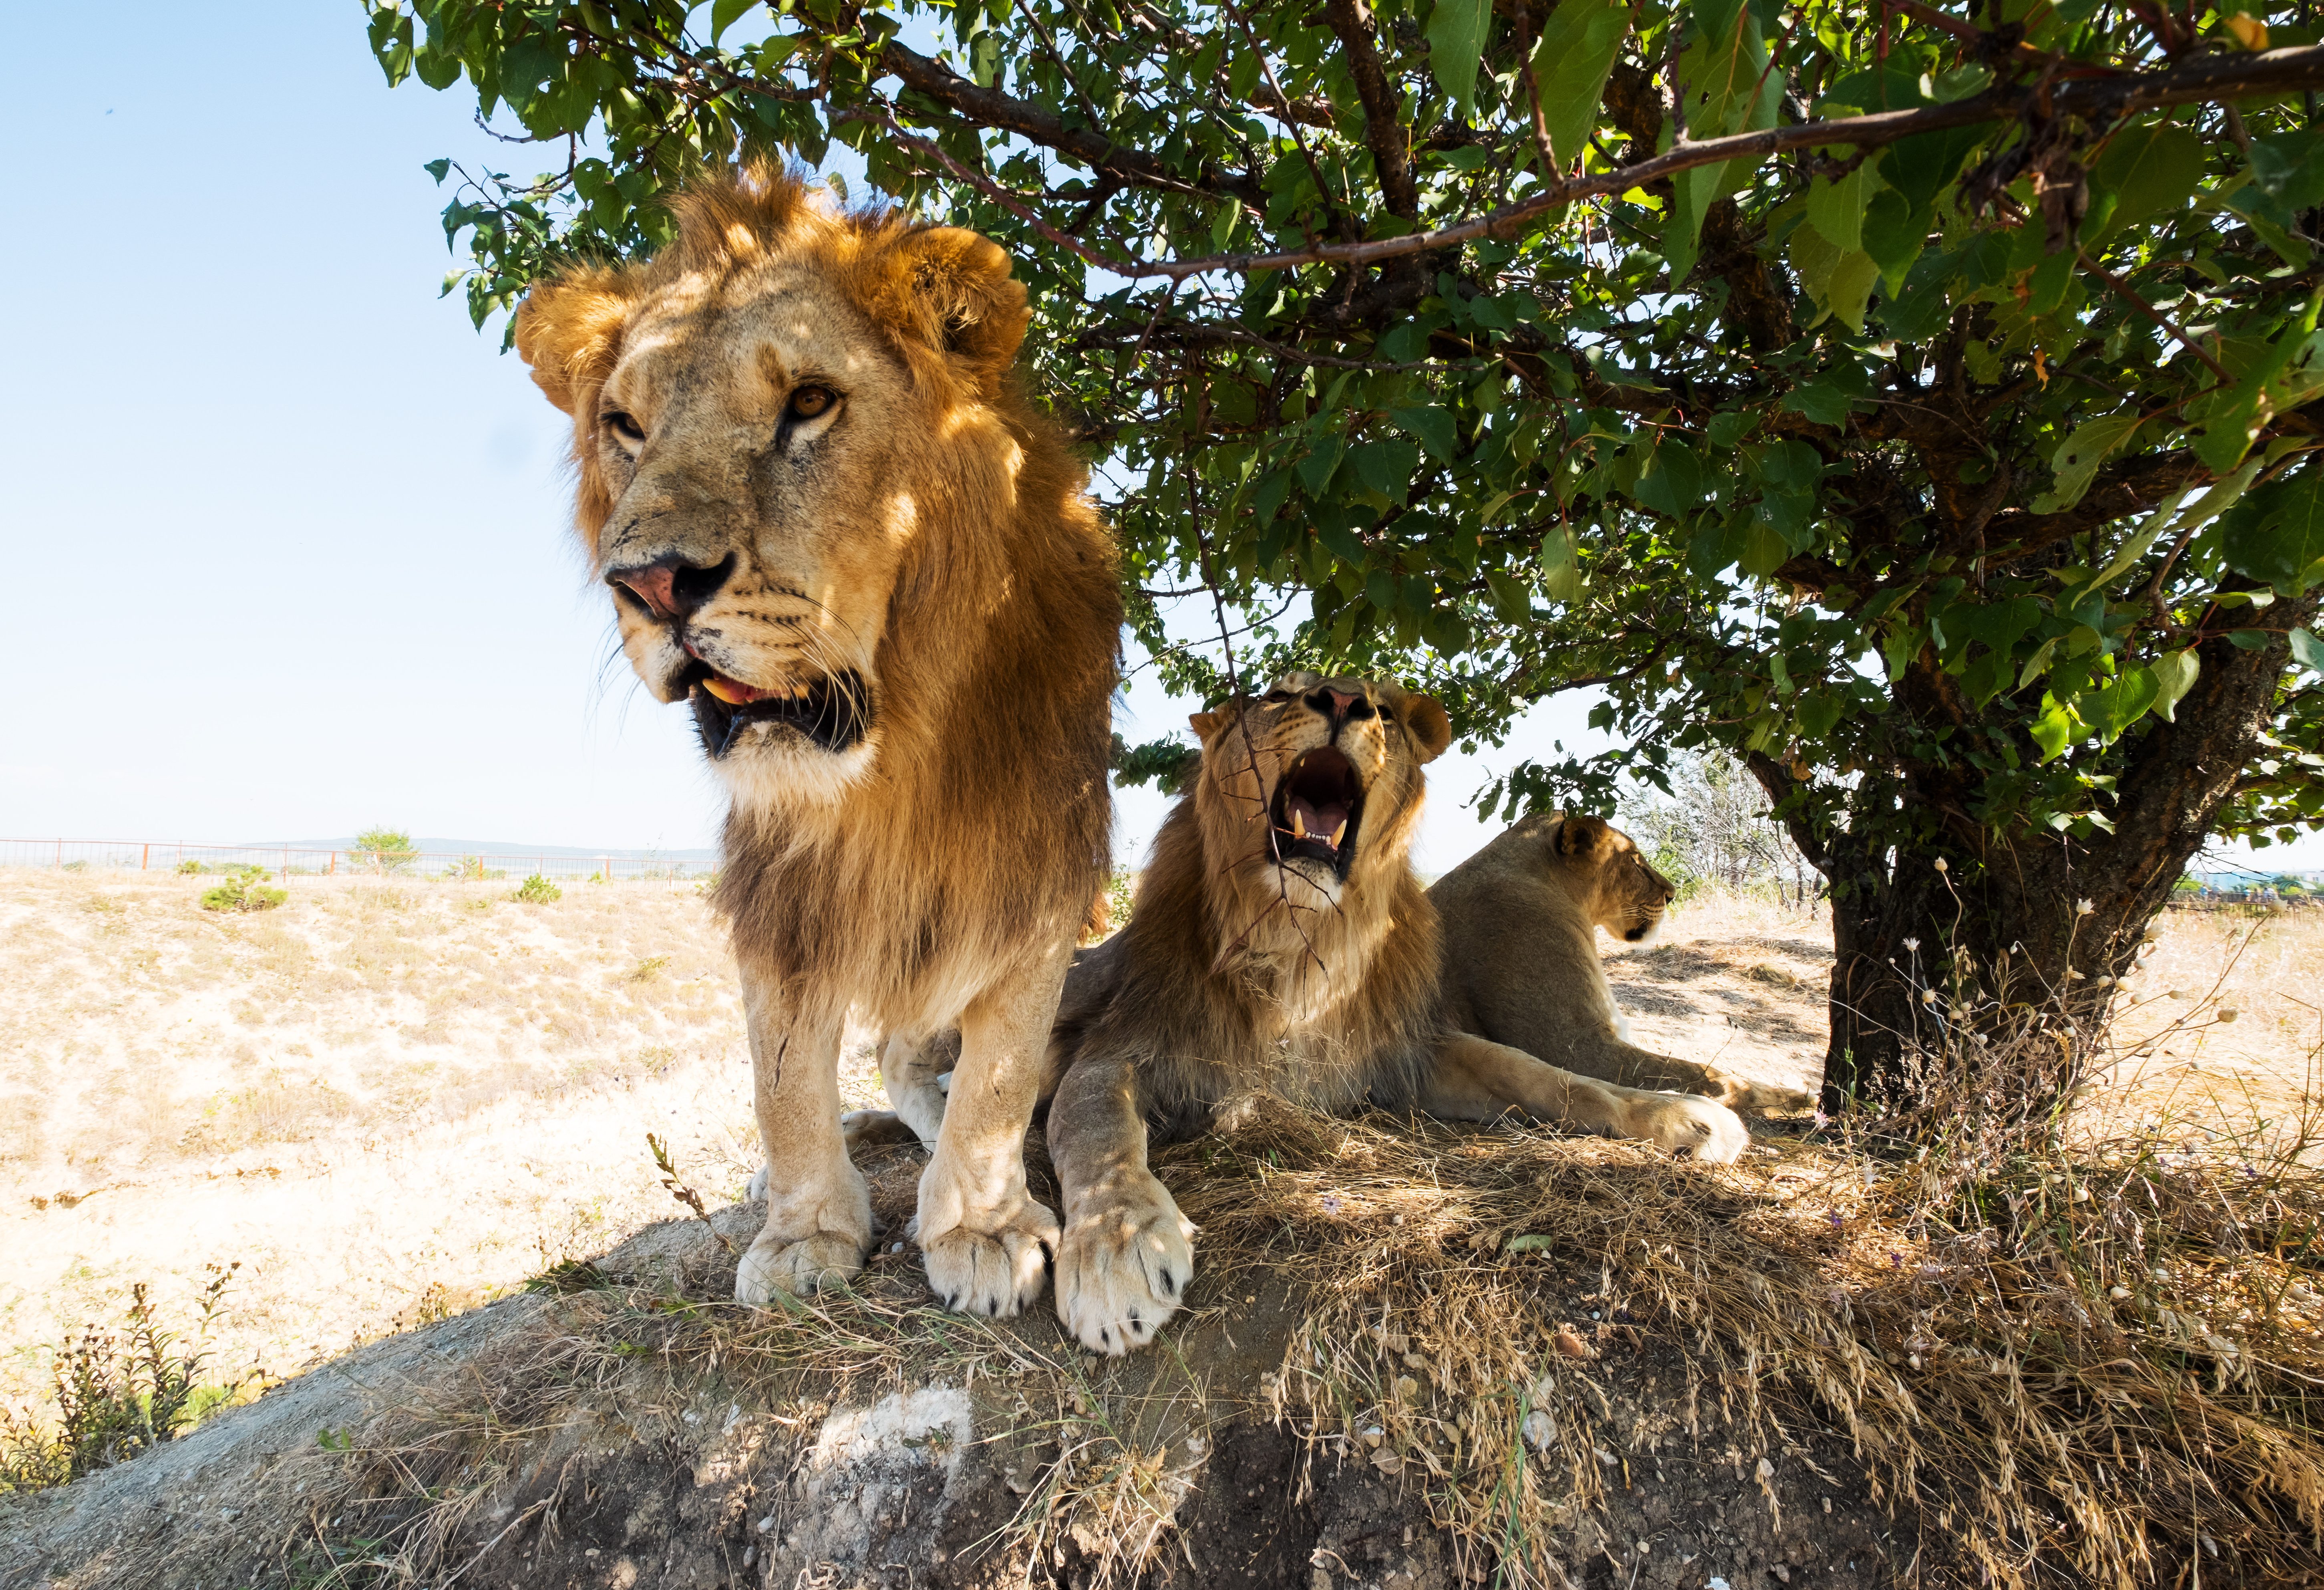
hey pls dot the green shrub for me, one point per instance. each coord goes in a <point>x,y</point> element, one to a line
<point>243,889</point>
<point>536,890</point>
<point>118,1395</point>
<point>391,848</point>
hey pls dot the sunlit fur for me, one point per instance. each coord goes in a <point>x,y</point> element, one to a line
<point>1520,955</point>
<point>955,562</point>
<point>1236,972</point>
<point>932,535</point>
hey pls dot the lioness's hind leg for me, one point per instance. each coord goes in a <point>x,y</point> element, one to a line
<point>1475,1080</point>
<point>818,1224</point>
<point>985,1242</point>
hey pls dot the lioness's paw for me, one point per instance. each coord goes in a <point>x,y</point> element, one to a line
<point>1739,1093</point>
<point>774,1264</point>
<point>1123,1269</point>
<point>996,1271</point>
<point>1703,1127</point>
<point>757,1191</point>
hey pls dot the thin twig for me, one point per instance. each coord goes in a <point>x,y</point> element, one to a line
<point>2130,296</point>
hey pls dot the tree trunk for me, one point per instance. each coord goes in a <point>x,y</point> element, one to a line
<point>1915,881</point>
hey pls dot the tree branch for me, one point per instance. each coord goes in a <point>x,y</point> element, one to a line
<point>989,108</point>
<point>2208,78</point>
<point>1351,20</point>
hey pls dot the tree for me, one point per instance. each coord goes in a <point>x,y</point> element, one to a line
<point>1916,405</point>
<point>390,848</point>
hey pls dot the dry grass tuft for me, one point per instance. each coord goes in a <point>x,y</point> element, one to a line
<point>2078,1364</point>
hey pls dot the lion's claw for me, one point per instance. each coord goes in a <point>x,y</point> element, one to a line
<point>774,1264</point>
<point>996,1272</point>
<point>1121,1269</point>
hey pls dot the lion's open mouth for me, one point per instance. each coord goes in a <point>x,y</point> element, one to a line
<point>832,710</point>
<point>1318,810</point>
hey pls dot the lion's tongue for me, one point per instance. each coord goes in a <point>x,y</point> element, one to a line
<point>732,692</point>
<point>1323,822</point>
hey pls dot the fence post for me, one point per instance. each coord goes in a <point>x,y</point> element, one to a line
<point>335,865</point>
<point>146,858</point>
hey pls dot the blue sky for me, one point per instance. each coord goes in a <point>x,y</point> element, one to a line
<point>289,539</point>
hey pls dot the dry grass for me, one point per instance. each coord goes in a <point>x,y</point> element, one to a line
<point>2088,1358</point>
<point>389,1100</point>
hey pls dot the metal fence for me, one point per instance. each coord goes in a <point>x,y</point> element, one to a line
<point>177,855</point>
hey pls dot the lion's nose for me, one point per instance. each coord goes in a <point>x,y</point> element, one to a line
<point>671,589</point>
<point>1341,706</point>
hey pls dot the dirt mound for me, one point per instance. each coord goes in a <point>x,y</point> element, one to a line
<point>635,1431</point>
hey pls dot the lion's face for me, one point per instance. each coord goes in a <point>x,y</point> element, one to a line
<point>1317,784</point>
<point>1622,893</point>
<point>766,419</point>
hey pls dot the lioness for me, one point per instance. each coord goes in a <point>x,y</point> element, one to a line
<point>1279,940</point>
<point>1521,960</point>
<point>832,526</point>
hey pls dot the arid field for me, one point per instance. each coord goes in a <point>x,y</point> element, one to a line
<point>387,1101</point>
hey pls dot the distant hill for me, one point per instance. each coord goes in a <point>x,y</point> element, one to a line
<point>429,845</point>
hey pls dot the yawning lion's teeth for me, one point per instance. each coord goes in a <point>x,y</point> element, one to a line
<point>1339,834</point>
<point>1298,826</point>
<point>732,693</point>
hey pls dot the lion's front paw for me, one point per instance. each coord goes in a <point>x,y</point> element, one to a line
<point>1123,1269</point>
<point>776,1264</point>
<point>1702,1127</point>
<point>994,1268</point>
<point>1740,1093</point>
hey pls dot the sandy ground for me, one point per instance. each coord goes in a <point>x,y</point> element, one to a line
<point>390,1101</point>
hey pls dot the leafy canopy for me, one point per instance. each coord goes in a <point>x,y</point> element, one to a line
<point>1844,385</point>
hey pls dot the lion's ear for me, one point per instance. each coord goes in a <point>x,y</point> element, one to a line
<point>965,302</point>
<point>1206,724</point>
<point>1581,835</point>
<point>1431,730</point>
<point>569,330</point>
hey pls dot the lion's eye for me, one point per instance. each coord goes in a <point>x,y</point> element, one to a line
<point>810,403</point>
<point>626,431</point>
<point>1276,697</point>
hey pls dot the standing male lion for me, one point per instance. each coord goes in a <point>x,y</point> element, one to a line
<point>831,524</point>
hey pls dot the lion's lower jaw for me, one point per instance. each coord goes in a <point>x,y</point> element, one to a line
<point>773,773</point>
<point>1640,940</point>
<point>1307,885</point>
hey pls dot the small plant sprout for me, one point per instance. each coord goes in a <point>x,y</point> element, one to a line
<point>536,890</point>
<point>1941,866</point>
<point>2083,907</point>
<point>684,1194</point>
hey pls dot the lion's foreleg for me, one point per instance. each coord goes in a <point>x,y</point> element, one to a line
<point>1127,1256</point>
<point>984,1239</point>
<point>1474,1079</point>
<point>818,1209</point>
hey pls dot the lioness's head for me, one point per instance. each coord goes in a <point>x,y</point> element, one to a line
<point>1316,783</point>
<point>782,421</point>
<point>1610,879</point>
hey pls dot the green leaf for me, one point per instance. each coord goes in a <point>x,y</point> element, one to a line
<point>2289,167</point>
<point>2053,731</point>
<point>2307,651</point>
<point>1728,90</point>
<point>1672,482</point>
<point>2149,170</point>
<point>1456,44</point>
<point>2277,533</point>
<point>1435,427</point>
<point>2076,462</point>
<point>2174,675</point>
<point>1763,549</point>
<point>1571,63</point>
<point>1836,209</point>
<point>2119,705</point>
<point>723,14</point>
